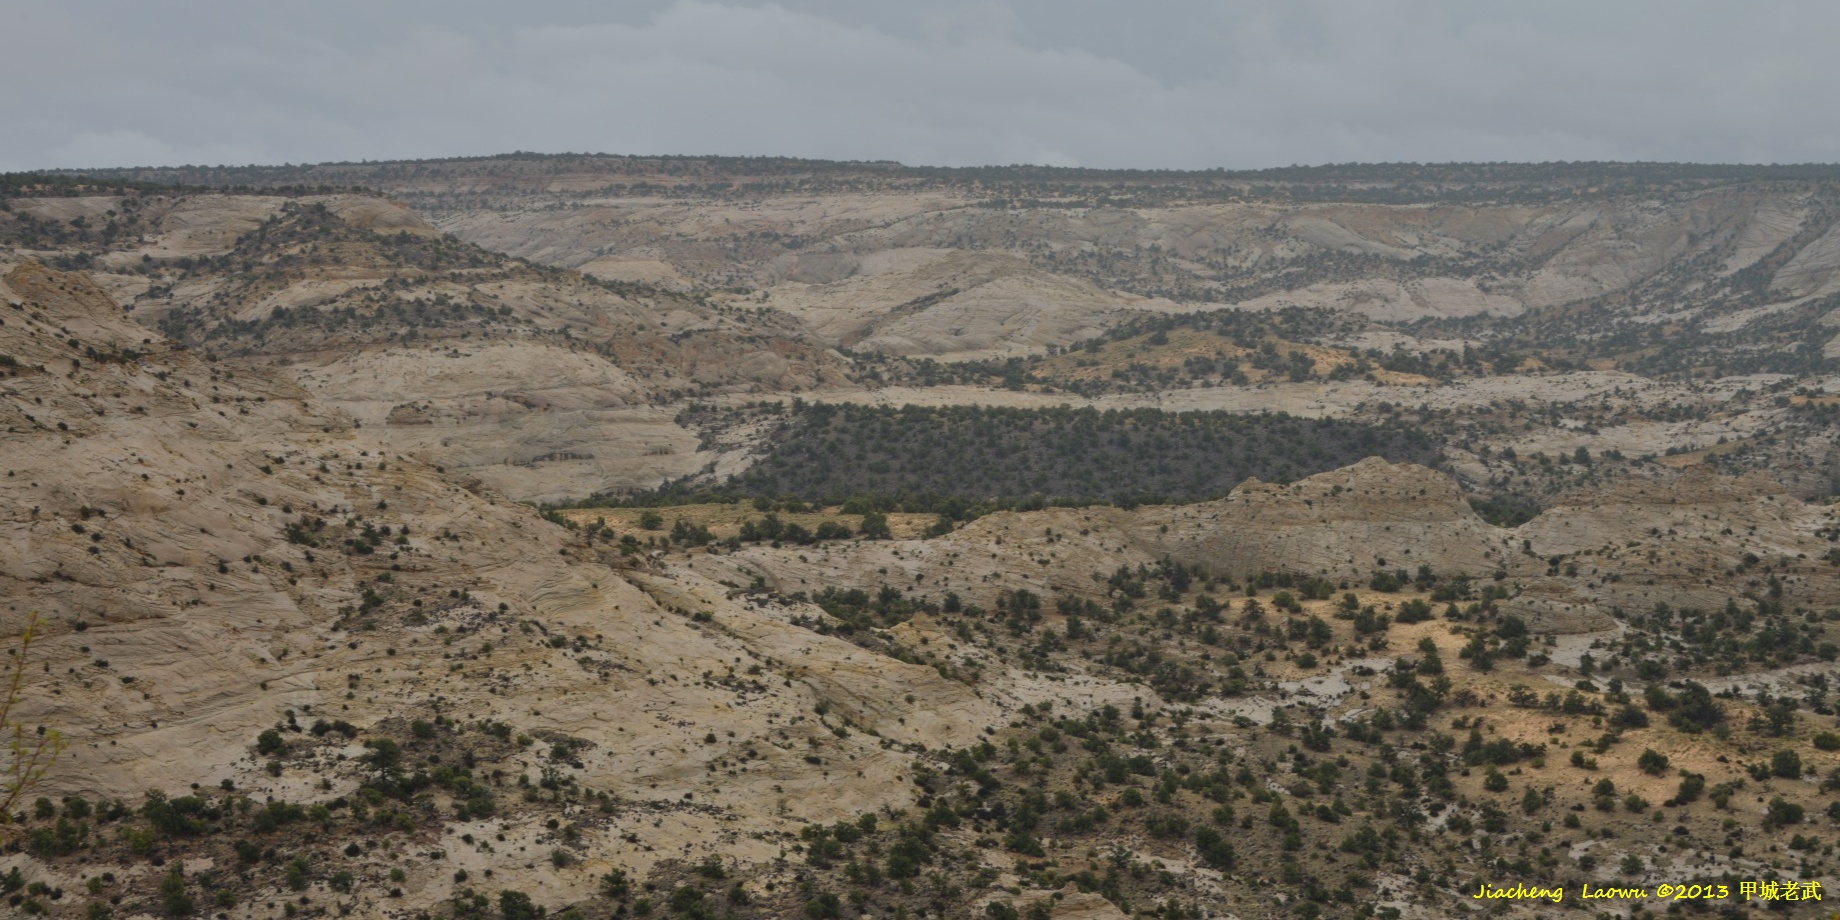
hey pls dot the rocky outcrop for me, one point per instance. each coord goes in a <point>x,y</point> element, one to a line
<point>368,305</point>
<point>1554,606</point>
<point>81,309</point>
<point>1342,524</point>
<point>216,551</point>
<point>1678,537</point>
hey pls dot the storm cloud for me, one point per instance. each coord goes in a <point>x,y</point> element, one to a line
<point>1175,84</point>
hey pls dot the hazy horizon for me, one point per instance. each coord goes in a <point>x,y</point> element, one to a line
<point>692,155</point>
<point>101,83</point>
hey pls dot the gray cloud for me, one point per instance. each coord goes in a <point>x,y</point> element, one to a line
<point>956,82</point>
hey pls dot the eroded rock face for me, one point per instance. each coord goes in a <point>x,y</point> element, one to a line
<point>1067,904</point>
<point>322,522</point>
<point>920,263</point>
<point>1342,524</point>
<point>947,302</point>
<point>1050,552</point>
<point>212,548</point>
<point>80,305</point>
<point>895,268</point>
<point>525,377</point>
<point>1552,606</point>
<point>206,543</point>
<point>1676,537</point>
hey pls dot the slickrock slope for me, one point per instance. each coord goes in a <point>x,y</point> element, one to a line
<point>1046,552</point>
<point>1388,262</point>
<point>1678,538</point>
<point>1637,309</point>
<point>1341,524</point>
<point>898,256</point>
<point>540,382</point>
<point>217,551</point>
<point>947,302</point>
<point>1682,539</point>
<point>246,590</point>
<point>291,586</point>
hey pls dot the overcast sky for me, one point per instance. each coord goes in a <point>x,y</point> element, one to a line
<point>1151,83</point>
